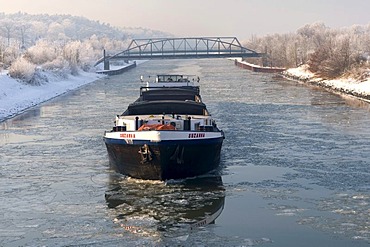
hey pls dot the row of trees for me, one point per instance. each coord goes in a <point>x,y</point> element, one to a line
<point>329,52</point>
<point>61,44</point>
<point>61,59</point>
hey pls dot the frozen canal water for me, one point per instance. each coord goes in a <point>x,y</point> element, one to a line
<point>295,169</point>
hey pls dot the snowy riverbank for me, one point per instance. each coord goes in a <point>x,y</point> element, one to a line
<point>15,96</point>
<point>348,86</point>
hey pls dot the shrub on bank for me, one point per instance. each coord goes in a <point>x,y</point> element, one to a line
<point>27,72</point>
<point>23,70</point>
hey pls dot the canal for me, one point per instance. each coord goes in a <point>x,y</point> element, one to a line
<point>294,169</point>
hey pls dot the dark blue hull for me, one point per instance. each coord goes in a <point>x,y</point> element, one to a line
<point>164,160</point>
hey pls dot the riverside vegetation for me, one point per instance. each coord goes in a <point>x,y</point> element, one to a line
<point>328,53</point>
<point>33,46</point>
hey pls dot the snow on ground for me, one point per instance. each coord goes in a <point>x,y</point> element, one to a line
<point>360,89</point>
<point>16,96</point>
<point>301,72</point>
<point>349,86</point>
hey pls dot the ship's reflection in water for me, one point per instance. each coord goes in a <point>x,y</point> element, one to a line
<point>169,209</point>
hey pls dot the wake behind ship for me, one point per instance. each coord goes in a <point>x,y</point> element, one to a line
<point>167,133</point>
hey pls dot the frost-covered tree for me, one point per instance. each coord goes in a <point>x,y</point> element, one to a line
<point>10,54</point>
<point>60,44</point>
<point>71,53</point>
<point>42,52</point>
<point>22,31</point>
<point>55,31</point>
<point>2,49</point>
<point>38,30</point>
<point>328,52</point>
<point>7,27</point>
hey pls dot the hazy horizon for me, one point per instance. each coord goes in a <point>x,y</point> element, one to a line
<point>240,18</point>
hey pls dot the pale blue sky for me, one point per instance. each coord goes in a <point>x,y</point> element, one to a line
<point>186,18</point>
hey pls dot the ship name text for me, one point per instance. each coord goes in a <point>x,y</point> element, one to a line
<point>127,135</point>
<point>197,135</point>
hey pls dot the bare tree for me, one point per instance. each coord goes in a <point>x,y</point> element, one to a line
<point>23,28</point>
<point>7,26</point>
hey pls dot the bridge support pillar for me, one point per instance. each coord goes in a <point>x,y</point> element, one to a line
<point>106,62</point>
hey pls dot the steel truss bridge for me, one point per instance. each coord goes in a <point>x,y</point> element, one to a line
<point>181,48</point>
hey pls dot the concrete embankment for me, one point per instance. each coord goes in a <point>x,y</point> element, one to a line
<point>256,68</point>
<point>117,71</point>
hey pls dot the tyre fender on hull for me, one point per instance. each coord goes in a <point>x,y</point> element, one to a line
<point>145,153</point>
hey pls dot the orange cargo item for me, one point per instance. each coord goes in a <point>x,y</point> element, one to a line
<point>156,127</point>
<point>166,127</point>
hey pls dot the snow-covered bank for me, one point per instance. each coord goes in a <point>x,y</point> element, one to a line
<point>359,89</point>
<point>16,96</point>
